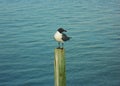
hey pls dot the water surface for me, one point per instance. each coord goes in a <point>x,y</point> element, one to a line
<point>27,44</point>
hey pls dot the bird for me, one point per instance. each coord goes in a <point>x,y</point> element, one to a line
<point>61,37</point>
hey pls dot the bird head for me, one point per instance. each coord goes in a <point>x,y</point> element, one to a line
<point>61,30</point>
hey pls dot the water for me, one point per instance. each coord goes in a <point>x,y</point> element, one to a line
<point>27,44</point>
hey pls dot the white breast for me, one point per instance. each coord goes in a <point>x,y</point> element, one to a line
<point>58,37</point>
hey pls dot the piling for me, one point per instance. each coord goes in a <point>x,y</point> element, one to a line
<point>59,67</point>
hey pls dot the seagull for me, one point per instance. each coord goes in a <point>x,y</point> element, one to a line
<point>61,37</point>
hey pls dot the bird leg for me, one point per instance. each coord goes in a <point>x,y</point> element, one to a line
<point>58,45</point>
<point>62,45</point>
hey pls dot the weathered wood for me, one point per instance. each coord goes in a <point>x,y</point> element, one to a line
<point>59,67</point>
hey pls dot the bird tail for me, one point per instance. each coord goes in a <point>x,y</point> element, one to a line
<point>69,38</point>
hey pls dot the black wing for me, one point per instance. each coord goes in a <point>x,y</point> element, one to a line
<point>65,37</point>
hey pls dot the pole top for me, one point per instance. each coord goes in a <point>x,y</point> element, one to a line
<point>60,48</point>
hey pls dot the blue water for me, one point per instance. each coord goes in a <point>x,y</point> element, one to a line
<point>27,45</point>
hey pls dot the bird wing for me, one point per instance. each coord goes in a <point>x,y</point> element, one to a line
<point>65,37</point>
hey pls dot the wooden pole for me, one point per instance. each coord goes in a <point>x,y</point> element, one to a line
<point>59,67</point>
